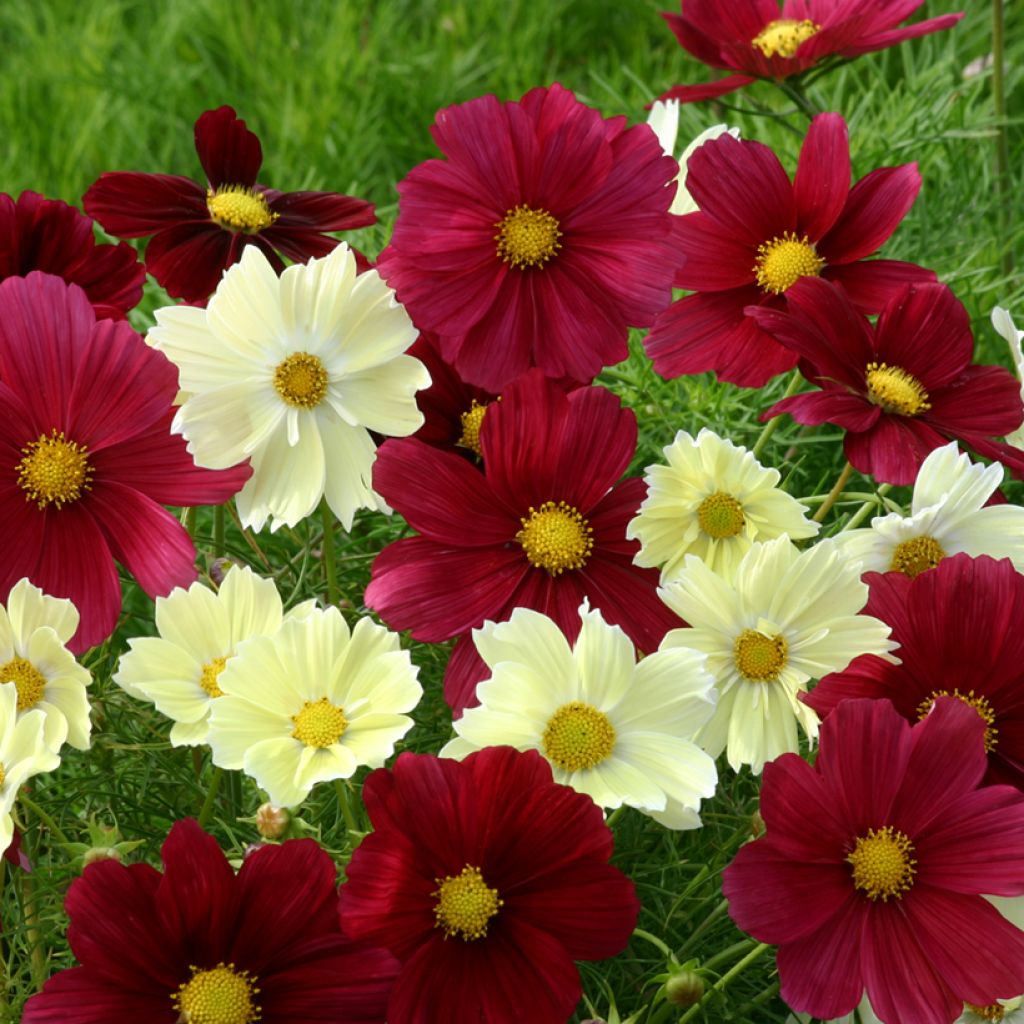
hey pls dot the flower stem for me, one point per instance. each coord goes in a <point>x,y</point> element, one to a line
<point>724,980</point>
<point>654,940</point>
<point>218,532</point>
<point>344,799</point>
<point>44,818</point>
<point>1002,144</point>
<point>796,94</point>
<point>772,425</point>
<point>837,489</point>
<point>862,513</point>
<point>327,547</point>
<point>211,795</point>
<point>4,1001</point>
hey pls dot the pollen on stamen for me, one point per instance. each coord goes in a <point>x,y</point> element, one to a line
<point>784,260</point>
<point>782,37</point>
<point>527,237</point>
<point>556,537</point>
<point>240,209</point>
<point>895,390</point>
<point>54,470</point>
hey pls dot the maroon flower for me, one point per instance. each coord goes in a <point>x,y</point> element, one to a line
<point>756,234</point>
<point>540,239</point>
<point>486,880</point>
<point>757,40</point>
<point>899,388</point>
<point>200,943</point>
<point>871,872</point>
<point>87,456</point>
<point>49,235</point>
<point>541,527</point>
<point>200,230</point>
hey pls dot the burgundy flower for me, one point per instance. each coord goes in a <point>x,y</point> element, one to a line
<point>899,388</point>
<point>200,230</point>
<point>757,40</point>
<point>49,235</point>
<point>486,880</point>
<point>87,457</point>
<point>541,527</point>
<point>200,943</point>
<point>871,872</point>
<point>756,234</point>
<point>540,239</point>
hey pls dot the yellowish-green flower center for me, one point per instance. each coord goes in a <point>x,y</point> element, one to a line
<point>319,724</point>
<point>465,904</point>
<point>994,1011</point>
<point>883,863</point>
<point>977,701</point>
<point>221,995</point>
<point>28,681</point>
<point>301,380</point>
<point>758,657</point>
<point>782,38</point>
<point>578,737</point>
<point>556,537</point>
<point>895,390</point>
<point>720,515</point>
<point>783,261</point>
<point>527,237</point>
<point>472,420</point>
<point>54,470</point>
<point>912,557</point>
<point>208,680</point>
<point>237,208</point>
<point>3,774</point>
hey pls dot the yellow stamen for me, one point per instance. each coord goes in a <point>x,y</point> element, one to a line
<point>3,775</point>
<point>556,537</point>
<point>465,904</point>
<point>758,657</point>
<point>27,679</point>
<point>319,724</point>
<point>913,557</point>
<point>578,736</point>
<point>472,420</point>
<point>527,237</point>
<point>994,1011</point>
<point>883,863</point>
<point>977,701</point>
<point>783,261</point>
<point>54,470</point>
<point>720,515</point>
<point>208,680</point>
<point>221,995</point>
<point>237,208</point>
<point>301,380</point>
<point>895,390</point>
<point>782,38</point>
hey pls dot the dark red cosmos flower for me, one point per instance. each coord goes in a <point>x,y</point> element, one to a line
<point>87,456</point>
<point>200,230</point>
<point>200,943</point>
<point>871,872</point>
<point>541,527</point>
<point>757,40</point>
<point>540,239</point>
<point>899,388</point>
<point>756,234</point>
<point>486,879</point>
<point>958,627</point>
<point>49,235</point>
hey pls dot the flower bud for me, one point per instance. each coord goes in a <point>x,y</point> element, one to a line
<point>272,822</point>
<point>684,989</point>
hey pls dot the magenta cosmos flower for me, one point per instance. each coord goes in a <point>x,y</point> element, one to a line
<point>87,457</point>
<point>871,872</point>
<point>486,879</point>
<point>900,387</point>
<point>199,943</point>
<point>541,527</point>
<point>757,233</point>
<point>200,230</point>
<point>541,238</point>
<point>758,40</point>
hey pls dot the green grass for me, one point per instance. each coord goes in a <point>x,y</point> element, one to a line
<point>342,95</point>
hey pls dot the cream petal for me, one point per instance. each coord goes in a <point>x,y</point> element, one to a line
<point>605,660</point>
<point>371,738</point>
<point>30,609</point>
<point>235,726</point>
<point>350,454</point>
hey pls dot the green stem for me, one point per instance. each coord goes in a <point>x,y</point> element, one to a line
<point>724,980</point>
<point>211,795</point>
<point>796,94</point>
<point>327,547</point>
<point>188,520</point>
<point>614,816</point>
<point>344,799</point>
<point>218,532</point>
<point>1002,143</point>
<point>833,495</point>
<point>715,914</point>
<point>33,808</point>
<point>654,940</point>
<point>772,425</point>
<point>865,510</point>
<point>4,1001</point>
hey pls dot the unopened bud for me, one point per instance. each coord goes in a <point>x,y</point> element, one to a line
<point>97,853</point>
<point>684,989</point>
<point>272,822</point>
<point>219,569</point>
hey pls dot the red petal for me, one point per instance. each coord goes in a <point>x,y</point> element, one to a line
<point>893,449</point>
<point>189,259</point>
<point>715,261</point>
<point>464,670</point>
<point>80,996</point>
<point>797,811</point>
<point>851,412</point>
<point>822,180</point>
<point>982,400</point>
<point>133,205</point>
<point>870,284</point>
<point>707,90</point>
<point>319,211</point>
<point>883,40</point>
<point>229,152</point>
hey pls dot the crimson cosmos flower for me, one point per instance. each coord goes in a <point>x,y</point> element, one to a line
<point>871,872</point>
<point>87,456</point>
<point>541,527</point>
<point>756,234</point>
<point>486,879</point>
<point>49,235</point>
<point>200,230</point>
<point>757,40</point>
<point>958,627</point>
<point>899,388</point>
<point>200,943</point>
<point>540,239</point>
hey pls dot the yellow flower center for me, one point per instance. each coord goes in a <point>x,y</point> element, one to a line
<point>578,736</point>
<point>301,380</point>
<point>527,237</point>
<point>465,904</point>
<point>782,38</point>
<point>556,537</point>
<point>208,680</point>
<point>895,390</point>
<point>972,700</point>
<point>220,995</point>
<point>28,681</point>
<point>883,863</point>
<point>237,208</point>
<point>994,1011</point>
<point>783,261</point>
<point>758,657</point>
<point>3,774</point>
<point>319,724</point>
<point>472,420</point>
<point>912,557</point>
<point>720,515</point>
<point>54,470</point>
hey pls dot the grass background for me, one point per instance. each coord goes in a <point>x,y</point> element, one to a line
<point>342,95</point>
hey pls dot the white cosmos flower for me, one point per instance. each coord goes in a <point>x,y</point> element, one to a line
<point>713,500</point>
<point>34,662</point>
<point>788,617</point>
<point>312,703</point>
<point>1004,325</point>
<point>200,630</point>
<point>293,372</point>
<point>664,119</point>
<point>619,731</point>
<point>947,516</point>
<point>23,753</point>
